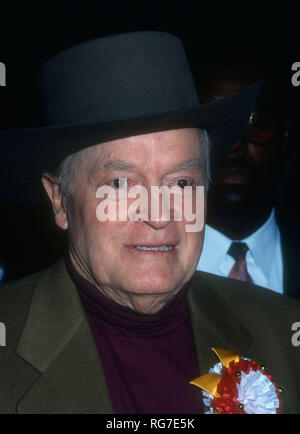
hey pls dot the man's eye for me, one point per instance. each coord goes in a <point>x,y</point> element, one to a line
<point>256,120</point>
<point>118,183</point>
<point>183,183</point>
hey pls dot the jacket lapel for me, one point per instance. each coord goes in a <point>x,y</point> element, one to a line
<point>57,342</point>
<point>214,324</point>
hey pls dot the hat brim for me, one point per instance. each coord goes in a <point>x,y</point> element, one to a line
<point>26,153</point>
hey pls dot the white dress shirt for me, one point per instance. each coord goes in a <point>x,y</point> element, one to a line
<point>263,259</point>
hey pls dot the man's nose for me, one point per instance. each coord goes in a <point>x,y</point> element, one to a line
<point>160,211</point>
<point>239,148</point>
<point>160,207</point>
<point>157,224</point>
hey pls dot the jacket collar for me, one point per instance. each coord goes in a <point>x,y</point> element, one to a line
<point>58,343</point>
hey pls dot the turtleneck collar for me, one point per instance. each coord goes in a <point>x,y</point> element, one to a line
<point>120,319</point>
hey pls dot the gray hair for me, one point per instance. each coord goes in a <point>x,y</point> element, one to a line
<point>67,168</point>
<point>207,149</point>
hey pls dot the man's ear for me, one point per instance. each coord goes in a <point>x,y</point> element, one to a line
<point>52,187</point>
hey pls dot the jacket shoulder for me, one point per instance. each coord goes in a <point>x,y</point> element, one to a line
<point>15,299</point>
<point>244,294</point>
<point>257,308</point>
<point>9,291</point>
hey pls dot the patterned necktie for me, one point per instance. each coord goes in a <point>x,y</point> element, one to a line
<point>239,271</point>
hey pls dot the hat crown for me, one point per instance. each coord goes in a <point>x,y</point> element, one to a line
<point>119,77</point>
<point>111,88</point>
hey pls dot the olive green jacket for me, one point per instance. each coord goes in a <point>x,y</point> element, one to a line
<point>50,363</point>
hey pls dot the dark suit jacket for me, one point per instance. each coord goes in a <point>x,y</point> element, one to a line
<point>51,364</point>
<point>290,243</point>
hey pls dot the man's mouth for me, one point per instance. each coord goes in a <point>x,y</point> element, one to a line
<point>232,176</point>
<point>235,173</point>
<point>153,248</point>
<point>164,248</point>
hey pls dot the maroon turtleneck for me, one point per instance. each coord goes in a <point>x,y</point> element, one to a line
<point>148,360</point>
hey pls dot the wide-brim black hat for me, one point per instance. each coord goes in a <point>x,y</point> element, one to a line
<point>110,88</point>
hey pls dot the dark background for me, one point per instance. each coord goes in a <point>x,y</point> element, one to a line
<point>31,33</point>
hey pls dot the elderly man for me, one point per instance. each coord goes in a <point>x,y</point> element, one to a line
<point>123,324</point>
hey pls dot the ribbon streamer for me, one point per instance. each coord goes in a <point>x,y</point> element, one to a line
<point>209,382</point>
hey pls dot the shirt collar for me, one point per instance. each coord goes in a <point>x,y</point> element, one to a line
<point>262,243</point>
<point>214,250</point>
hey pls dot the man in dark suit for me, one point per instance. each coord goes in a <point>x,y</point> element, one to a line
<point>244,198</point>
<point>123,324</point>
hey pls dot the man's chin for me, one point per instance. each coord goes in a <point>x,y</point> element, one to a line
<point>156,284</point>
<point>143,288</point>
<point>235,199</point>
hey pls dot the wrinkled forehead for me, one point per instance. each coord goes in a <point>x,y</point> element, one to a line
<point>160,148</point>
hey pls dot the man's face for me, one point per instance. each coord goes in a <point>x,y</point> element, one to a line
<point>250,171</point>
<point>107,251</point>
